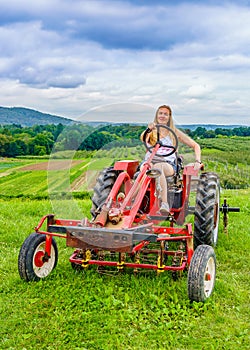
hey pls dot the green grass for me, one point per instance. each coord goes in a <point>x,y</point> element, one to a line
<point>40,183</point>
<point>25,182</point>
<point>8,164</point>
<point>92,311</point>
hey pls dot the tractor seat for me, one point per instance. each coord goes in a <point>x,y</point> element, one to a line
<point>170,179</point>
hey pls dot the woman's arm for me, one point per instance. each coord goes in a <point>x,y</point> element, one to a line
<point>148,131</point>
<point>191,143</point>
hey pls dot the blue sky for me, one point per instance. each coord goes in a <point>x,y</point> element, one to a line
<point>118,60</point>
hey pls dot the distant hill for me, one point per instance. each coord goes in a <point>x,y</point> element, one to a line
<point>209,126</point>
<point>191,127</point>
<point>29,117</point>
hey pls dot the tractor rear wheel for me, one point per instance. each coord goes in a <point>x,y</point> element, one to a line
<point>103,186</point>
<point>207,210</point>
<point>33,264</point>
<point>201,273</point>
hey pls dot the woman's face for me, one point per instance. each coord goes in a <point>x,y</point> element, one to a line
<point>163,116</point>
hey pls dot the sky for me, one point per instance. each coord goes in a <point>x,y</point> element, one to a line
<point>117,61</point>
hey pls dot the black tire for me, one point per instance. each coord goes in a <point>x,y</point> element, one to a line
<point>207,210</point>
<point>32,265</point>
<point>201,273</point>
<point>103,186</point>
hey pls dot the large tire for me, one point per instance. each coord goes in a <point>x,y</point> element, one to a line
<point>207,210</point>
<point>201,273</point>
<point>103,186</point>
<point>32,264</point>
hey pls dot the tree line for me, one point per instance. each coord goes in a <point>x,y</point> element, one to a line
<point>40,140</point>
<point>202,132</point>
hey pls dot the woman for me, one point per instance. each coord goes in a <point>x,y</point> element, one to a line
<point>167,164</point>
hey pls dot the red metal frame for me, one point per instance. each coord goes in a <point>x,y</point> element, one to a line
<point>130,223</point>
<point>164,234</point>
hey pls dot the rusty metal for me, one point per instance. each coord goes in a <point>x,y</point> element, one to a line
<point>225,209</point>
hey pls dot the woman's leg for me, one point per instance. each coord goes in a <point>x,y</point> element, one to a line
<point>166,170</point>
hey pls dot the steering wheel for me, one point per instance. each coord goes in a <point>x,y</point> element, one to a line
<point>172,148</point>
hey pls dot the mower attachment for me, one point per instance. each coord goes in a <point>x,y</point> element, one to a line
<point>104,238</point>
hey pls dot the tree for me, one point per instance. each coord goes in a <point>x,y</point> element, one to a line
<point>209,134</point>
<point>4,140</point>
<point>223,132</point>
<point>97,140</point>
<point>200,132</point>
<point>39,150</point>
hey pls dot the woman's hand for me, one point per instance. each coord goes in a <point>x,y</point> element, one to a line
<point>151,126</point>
<point>198,165</point>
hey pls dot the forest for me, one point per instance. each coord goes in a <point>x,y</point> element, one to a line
<point>40,140</point>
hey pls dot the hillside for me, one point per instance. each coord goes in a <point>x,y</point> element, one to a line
<point>28,117</point>
<point>209,126</point>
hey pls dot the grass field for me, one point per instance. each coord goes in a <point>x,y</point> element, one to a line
<point>88,310</point>
<point>92,311</point>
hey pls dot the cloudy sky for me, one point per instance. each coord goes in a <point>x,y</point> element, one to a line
<point>117,60</point>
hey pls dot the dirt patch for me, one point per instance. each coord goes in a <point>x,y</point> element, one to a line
<point>88,178</point>
<point>51,165</point>
<point>78,183</point>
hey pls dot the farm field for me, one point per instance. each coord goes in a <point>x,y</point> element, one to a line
<point>45,178</point>
<point>92,311</point>
<point>37,180</point>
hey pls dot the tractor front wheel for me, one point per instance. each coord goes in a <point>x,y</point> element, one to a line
<point>33,262</point>
<point>201,273</point>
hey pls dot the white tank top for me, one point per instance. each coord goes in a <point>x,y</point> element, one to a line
<point>164,150</point>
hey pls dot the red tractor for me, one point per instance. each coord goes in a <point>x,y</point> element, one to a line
<point>127,230</point>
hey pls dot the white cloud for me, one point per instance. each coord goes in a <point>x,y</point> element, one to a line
<point>66,60</point>
<point>198,91</point>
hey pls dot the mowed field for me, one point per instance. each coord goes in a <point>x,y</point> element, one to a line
<point>38,179</point>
